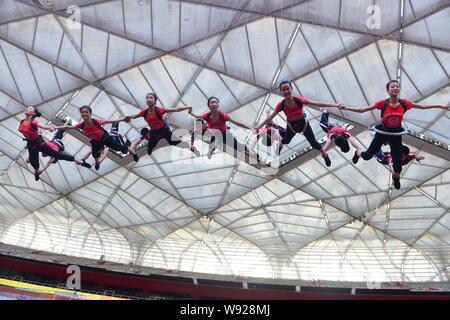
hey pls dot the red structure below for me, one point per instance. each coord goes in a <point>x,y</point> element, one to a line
<point>108,279</point>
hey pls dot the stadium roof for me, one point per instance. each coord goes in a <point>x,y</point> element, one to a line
<point>223,216</point>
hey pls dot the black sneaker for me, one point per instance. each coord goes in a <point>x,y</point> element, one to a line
<point>355,158</point>
<point>135,157</point>
<point>97,166</point>
<point>327,161</point>
<point>36,177</point>
<point>396,182</point>
<point>85,164</point>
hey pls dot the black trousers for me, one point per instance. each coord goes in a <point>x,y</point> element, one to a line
<point>308,133</point>
<point>107,141</point>
<point>395,142</point>
<point>163,133</point>
<point>38,145</point>
<point>226,136</point>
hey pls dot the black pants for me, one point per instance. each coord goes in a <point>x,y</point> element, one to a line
<point>308,133</point>
<point>59,134</point>
<point>36,146</point>
<point>324,122</point>
<point>107,141</point>
<point>395,142</point>
<point>163,133</point>
<point>119,140</point>
<point>226,136</point>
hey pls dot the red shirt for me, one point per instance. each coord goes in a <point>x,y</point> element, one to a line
<point>219,124</point>
<point>153,121</point>
<point>93,132</point>
<point>29,131</point>
<point>406,158</point>
<point>336,130</point>
<point>293,112</point>
<point>52,145</point>
<point>393,116</point>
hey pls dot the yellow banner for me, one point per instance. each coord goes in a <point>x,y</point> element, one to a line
<point>55,291</point>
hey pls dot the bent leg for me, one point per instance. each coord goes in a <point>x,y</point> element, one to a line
<point>375,145</point>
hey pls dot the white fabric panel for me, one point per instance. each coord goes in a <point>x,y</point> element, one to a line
<point>12,10</point>
<point>137,22</point>
<point>263,45</point>
<point>166,35</point>
<point>423,69</point>
<point>235,44</point>
<point>199,51</point>
<point>433,30</point>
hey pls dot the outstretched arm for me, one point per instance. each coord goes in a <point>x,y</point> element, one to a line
<point>419,158</point>
<point>239,123</point>
<point>431,106</point>
<point>327,145</point>
<point>123,119</point>
<point>319,104</point>
<point>179,109</point>
<point>354,143</point>
<point>46,127</point>
<point>64,127</point>
<point>268,119</point>
<point>134,145</point>
<point>194,115</point>
<point>359,110</point>
<point>134,116</point>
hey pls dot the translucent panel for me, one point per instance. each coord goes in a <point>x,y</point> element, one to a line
<point>420,8</point>
<point>389,52</point>
<point>371,72</point>
<point>198,21</point>
<point>299,60</point>
<point>47,31</point>
<point>95,45</point>
<point>422,68</point>
<point>326,43</point>
<point>12,10</point>
<point>235,44</point>
<point>20,233</point>
<point>320,11</point>
<point>21,33</point>
<point>263,47</point>
<point>9,106</point>
<point>18,64</point>
<point>105,15</point>
<point>433,30</point>
<point>160,82</point>
<point>200,51</point>
<point>137,24</point>
<point>341,80</point>
<point>241,90</point>
<point>166,35</point>
<point>211,84</point>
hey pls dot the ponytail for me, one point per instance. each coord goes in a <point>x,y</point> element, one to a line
<point>37,114</point>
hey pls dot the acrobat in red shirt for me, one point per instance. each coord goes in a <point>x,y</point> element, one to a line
<point>295,112</point>
<point>29,129</point>
<point>220,124</point>
<point>93,132</point>
<point>393,116</point>
<point>154,122</point>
